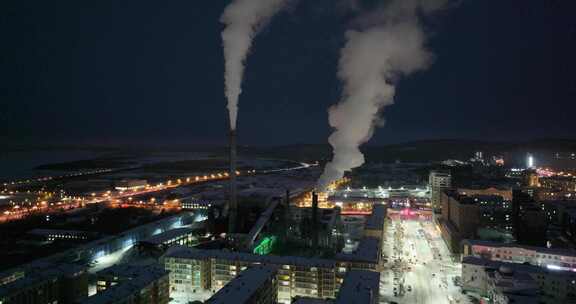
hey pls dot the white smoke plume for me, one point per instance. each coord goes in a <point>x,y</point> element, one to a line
<point>243,20</point>
<point>391,43</point>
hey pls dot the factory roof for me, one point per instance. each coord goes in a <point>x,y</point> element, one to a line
<point>167,236</point>
<point>130,271</point>
<point>58,231</point>
<point>376,220</point>
<point>368,251</point>
<point>359,287</point>
<point>242,287</point>
<point>192,253</point>
<point>127,288</point>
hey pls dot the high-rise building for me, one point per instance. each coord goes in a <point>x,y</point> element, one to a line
<point>438,181</point>
<point>530,161</point>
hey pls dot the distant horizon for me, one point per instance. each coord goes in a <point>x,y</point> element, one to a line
<point>183,144</point>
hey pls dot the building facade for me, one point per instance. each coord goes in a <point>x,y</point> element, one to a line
<point>473,217</point>
<point>505,282</point>
<point>256,284</point>
<point>438,181</point>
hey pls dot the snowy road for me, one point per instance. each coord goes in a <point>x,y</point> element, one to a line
<point>419,268</point>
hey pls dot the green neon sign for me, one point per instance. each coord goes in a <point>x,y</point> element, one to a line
<point>266,246</point>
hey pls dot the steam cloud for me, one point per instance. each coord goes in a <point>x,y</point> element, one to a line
<point>389,44</point>
<point>243,20</point>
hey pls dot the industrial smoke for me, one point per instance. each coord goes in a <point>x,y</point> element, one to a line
<point>243,20</point>
<point>387,44</point>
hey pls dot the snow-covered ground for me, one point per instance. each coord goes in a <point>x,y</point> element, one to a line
<point>419,268</point>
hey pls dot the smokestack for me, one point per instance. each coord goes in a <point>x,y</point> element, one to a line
<point>244,19</point>
<point>386,44</point>
<point>233,205</point>
<point>314,220</point>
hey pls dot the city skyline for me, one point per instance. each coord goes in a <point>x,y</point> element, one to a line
<point>288,152</point>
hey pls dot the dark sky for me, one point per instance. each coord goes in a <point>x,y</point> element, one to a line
<point>144,71</point>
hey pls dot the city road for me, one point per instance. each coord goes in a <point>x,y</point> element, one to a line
<point>419,268</point>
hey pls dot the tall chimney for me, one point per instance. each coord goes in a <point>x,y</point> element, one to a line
<point>233,207</point>
<point>315,220</point>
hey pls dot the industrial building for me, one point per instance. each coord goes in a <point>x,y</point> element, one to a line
<point>57,234</point>
<point>164,240</point>
<point>131,184</point>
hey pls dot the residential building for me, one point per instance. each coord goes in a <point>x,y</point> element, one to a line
<point>256,284</point>
<point>131,285</point>
<point>539,256</point>
<point>213,269</point>
<point>359,287</point>
<point>504,192</point>
<point>194,270</point>
<point>475,217</point>
<point>505,282</point>
<point>47,283</point>
<point>438,181</point>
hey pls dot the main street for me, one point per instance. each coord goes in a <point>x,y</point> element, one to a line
<point>419,268</point>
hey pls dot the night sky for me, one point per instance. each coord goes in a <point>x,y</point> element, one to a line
<point>112,72</point>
